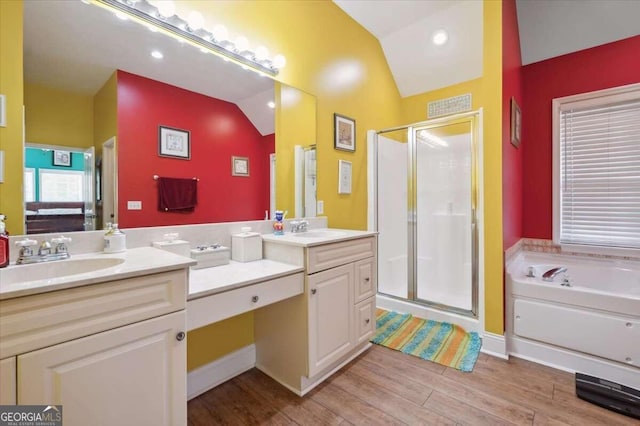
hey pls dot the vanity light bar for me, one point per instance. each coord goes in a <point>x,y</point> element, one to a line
<point>148,14</point>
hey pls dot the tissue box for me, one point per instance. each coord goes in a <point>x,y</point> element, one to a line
<point>246,247</point>
<point>210,256</point>
<point>180,247</point>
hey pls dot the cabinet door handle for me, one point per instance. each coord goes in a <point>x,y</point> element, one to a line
<point>367,279</point>
<point>314,290</point>
<point>254,299</point>
<point>180,336</point>
<point>367,321</point>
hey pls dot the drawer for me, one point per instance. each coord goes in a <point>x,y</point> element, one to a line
<point>365,320</point>
<point>365,279</point>
<point>329,256</point>
<point>210,309</point>
<point>33,322</point>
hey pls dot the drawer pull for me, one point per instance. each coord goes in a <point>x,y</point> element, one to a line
<point>180,336</point>
<point>254,299</point>
<point>367,279</point>
<point>367,321</point>
<point>314,290</point>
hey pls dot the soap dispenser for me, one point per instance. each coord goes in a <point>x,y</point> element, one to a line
<point>115,241</point>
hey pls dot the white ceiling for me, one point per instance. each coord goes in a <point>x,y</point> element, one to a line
<point>76,47</point>
<point>548,28</point>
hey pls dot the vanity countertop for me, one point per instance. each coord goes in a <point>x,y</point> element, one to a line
<point>15,279</point>
<point>316,237</point>
<point>218,279</point>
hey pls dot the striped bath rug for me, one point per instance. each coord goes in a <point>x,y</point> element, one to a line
<point>441,342</point>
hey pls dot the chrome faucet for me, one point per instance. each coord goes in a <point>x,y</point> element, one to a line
<point>47,251</point>
<point>299,225</point>
<point>551,273</point>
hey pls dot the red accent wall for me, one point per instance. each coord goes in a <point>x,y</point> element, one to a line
<point>218,129</point>
<point>609,65</point>
<point>511,156</point>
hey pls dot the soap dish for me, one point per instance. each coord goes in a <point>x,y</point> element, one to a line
<point>208,256</point>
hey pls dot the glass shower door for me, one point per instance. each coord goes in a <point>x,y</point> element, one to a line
<point>444,203</point>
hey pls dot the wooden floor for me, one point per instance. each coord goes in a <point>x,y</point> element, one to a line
<point>383,386</point>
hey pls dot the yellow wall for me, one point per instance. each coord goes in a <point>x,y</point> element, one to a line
<point>486,93</point>
<point>105,113</point>
<point>58,117</point>
<point>295,125</point>
<point>11,136</point>
<point>212,342</point>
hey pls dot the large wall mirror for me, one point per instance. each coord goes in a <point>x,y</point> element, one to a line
<point>114,97</point>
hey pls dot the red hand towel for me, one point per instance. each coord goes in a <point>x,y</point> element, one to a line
<point>176,194</point>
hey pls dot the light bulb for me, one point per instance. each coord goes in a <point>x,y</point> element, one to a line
<point>157,54</point>
<point>271,104</point>
<point>220,32</point>
<point>242,43</point>
<point>439,37</point>
<point>195,20</point>
<point>166,8</point>
<point>261,53</point>
<point>279,61</point>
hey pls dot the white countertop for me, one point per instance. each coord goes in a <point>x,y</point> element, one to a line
<point>136,262</point>
<point>218,279</point>
<point>316,237</point>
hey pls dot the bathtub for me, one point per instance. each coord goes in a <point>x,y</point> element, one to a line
<point>587,319</point>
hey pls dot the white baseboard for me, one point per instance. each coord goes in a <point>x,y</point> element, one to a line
<point>219,371</point>
<point>563,359</point>
<point>494,345</point>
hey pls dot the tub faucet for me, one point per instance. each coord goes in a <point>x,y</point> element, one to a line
<point>551,273</point>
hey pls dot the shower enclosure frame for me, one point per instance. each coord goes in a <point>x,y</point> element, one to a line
<point>474,118</point>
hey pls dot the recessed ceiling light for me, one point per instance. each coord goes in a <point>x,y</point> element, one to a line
<point>271,104</point>
<point>157,54</point>
<point>439,37</point>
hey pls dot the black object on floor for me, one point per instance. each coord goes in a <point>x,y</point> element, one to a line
<point>613,396</point>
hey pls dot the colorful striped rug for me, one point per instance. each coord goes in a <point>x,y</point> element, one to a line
<point>441,342</point>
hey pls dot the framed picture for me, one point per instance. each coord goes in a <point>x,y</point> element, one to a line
<point>174,143</point>
<point>61,158</point>
<point>239,166</point>
<point>516,123</point>
<point>344,133</point>
<point>344,177</point>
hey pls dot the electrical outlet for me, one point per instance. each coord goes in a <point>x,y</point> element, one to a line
<point>134,205</point>
<point>320,207</point>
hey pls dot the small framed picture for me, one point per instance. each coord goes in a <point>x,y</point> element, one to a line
<point>240,166</point>
<point>516,123</point>
<point>344,133</point>
<point>61,158</point>
<point>174,143</point>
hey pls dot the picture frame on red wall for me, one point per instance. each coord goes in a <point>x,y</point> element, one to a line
<point>174,143</point>
<point>516,123</point>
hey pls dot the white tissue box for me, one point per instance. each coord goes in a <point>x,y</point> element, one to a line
<point>180,247</point>
<point>210,257</point>
<point>246,247</point>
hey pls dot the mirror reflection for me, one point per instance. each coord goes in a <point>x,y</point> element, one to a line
<point>103,91</point>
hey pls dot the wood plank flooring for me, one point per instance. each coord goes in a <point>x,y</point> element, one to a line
<point>383,386</point>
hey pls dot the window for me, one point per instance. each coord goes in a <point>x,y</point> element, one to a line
<point>29,184</point>
<point>596,142</point>
<point>61,185</point>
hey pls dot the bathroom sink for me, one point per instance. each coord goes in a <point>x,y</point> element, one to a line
<point>319,234</point>
<point>55,269</point>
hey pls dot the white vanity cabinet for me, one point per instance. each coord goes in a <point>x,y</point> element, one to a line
<point>302,340</point>
<point>8,381</point>
<point>108,353</point>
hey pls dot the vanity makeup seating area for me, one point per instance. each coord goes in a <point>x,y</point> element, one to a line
<point>107,338</point>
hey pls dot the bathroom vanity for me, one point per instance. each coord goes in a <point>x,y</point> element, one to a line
<point>80,329</point>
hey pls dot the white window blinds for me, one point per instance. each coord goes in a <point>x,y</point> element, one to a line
<point>599,171</point>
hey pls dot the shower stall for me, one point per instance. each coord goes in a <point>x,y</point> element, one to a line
<point>424,203</point>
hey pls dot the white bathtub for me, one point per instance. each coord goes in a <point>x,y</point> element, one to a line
<point>591,326</point>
